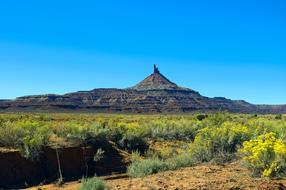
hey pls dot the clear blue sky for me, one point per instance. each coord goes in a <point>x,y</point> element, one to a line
<point>231,48</point>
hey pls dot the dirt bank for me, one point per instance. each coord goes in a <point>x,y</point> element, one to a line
<point>203,177</point>
<point>76,162</point>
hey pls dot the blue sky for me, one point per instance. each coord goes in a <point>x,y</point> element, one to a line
<point>235,49</point>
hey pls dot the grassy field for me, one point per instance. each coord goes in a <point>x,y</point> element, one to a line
<point>158,142</point>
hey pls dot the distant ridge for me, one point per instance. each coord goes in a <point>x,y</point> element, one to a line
<point>155,94</point>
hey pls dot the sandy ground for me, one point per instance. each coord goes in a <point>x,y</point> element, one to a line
<point>203,177</point>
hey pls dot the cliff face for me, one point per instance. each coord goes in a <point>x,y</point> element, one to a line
<point>155,94</point>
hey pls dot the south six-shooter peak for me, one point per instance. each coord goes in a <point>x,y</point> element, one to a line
<point>155,94</point>
<point>156,81</point>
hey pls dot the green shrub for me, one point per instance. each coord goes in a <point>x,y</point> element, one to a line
<point>27,136</point>
<point>201,151</point>
<point>135,156</point>
<point>10,135</point>
<point>83,133</point>
<point>34,140</point>
<point>142,168</point>
<point>217,119</point>
<point>179,129</point>
<point>133,143</point>
<point>278,117</point>
<point>93,184</point>
<point>179,161</point>
<point>201,117</point>
<point>166,152</point>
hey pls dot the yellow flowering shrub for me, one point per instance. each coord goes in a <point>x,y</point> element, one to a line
<point>266,155</point>
<point>219,143</point>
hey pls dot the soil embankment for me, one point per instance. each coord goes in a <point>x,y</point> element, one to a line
<point>75,162</point>
<point>202,177</point>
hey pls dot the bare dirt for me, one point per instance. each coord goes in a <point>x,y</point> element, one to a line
<point>202,177</point>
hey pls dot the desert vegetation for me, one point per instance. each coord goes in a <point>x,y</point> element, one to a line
<point>157,142</point>
<point>93,184</point>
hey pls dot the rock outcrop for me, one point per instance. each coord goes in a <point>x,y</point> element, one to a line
<point>156,81</point>
<point>155,94</point>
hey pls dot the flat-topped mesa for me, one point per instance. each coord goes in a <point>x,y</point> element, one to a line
<point>156,81</point>
<point>155,94</point>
